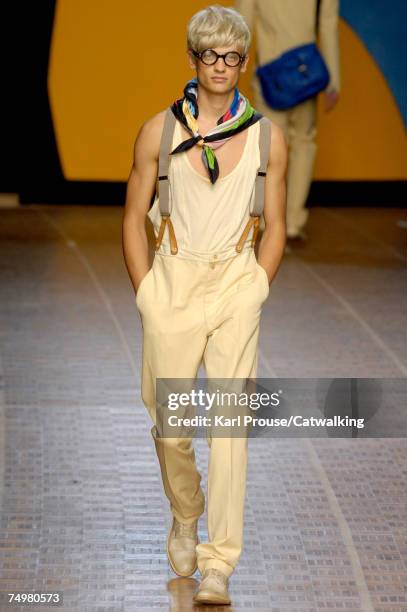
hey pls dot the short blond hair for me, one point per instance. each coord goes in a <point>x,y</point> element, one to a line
<point>218,26</point>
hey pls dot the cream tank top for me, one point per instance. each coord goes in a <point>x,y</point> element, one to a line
<point>209,219</point>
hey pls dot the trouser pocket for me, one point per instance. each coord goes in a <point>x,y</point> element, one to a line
<point>263,274</point>
<point>142,286</point>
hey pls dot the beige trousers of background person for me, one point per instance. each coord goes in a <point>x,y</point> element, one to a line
<point>280,25</point>
<point>193,311</point>
<point>299,126</point>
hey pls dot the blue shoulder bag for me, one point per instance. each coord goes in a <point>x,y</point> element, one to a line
<point>296,75</point>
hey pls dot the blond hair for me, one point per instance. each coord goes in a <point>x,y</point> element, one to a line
<point>218,26</point>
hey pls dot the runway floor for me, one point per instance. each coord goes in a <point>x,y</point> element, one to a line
<point>82,507</point>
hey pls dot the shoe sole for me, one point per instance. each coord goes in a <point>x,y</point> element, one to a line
<point>211,599</point>
<point>172,564</point>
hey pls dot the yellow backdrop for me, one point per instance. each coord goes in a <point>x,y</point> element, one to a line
<point>113,64</point>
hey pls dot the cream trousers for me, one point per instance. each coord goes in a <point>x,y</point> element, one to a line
<point>194,311</point>
<point>299,127</point>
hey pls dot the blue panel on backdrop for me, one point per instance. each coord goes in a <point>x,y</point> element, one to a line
<point>381,26</point>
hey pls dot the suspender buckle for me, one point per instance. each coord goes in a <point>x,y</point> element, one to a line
<point>253,221</point>
<point>165,220</point>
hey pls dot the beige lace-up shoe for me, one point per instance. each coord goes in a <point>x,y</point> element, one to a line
<point>213,588</point>
<point>181,542</point>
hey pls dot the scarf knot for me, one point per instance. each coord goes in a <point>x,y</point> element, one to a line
<point>237,118</point>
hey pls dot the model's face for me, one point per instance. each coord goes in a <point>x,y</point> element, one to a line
<point>218,77</point>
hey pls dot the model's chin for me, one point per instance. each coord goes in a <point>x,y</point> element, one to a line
<point>219,86</point>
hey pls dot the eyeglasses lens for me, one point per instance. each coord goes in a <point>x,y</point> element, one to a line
<point>209,57</point>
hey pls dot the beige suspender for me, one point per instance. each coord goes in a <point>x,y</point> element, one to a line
<point>255,214</point>
<point>164,186</point>
<point>164,159</point>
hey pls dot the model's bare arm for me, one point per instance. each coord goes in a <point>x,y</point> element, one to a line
<point>271,247</point>
<point>140,189</point>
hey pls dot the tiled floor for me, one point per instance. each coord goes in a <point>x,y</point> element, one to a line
<point>83,510</point>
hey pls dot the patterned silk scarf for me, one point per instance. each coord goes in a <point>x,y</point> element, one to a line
<point>239,117</point>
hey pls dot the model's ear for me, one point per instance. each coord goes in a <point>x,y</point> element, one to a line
<point>191,59</point>
<point>244,64</point>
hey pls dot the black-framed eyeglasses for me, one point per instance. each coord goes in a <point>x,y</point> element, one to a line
<point>210,57</point>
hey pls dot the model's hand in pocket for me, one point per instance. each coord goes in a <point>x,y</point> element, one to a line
<point>142,281</point>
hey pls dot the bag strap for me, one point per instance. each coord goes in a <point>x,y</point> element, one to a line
<point>264,146</point>
<point>164,160</point>
<point>318,9</point>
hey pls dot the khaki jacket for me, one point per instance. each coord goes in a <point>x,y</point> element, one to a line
<point>281,24</point>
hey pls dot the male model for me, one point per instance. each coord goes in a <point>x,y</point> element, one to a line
<point>281,25</point>
<point>201,299</point>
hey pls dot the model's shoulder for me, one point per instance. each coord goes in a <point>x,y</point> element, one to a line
<point>149,135</point>
<point>153,126</point>
<point>277,137</point>
<point>277,132</point>
<point>278,146</point>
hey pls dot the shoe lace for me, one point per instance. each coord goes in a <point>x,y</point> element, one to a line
<point>217,574</point>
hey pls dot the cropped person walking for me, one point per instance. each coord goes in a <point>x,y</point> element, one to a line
<point>280,26</point>
<point>220,164</point>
